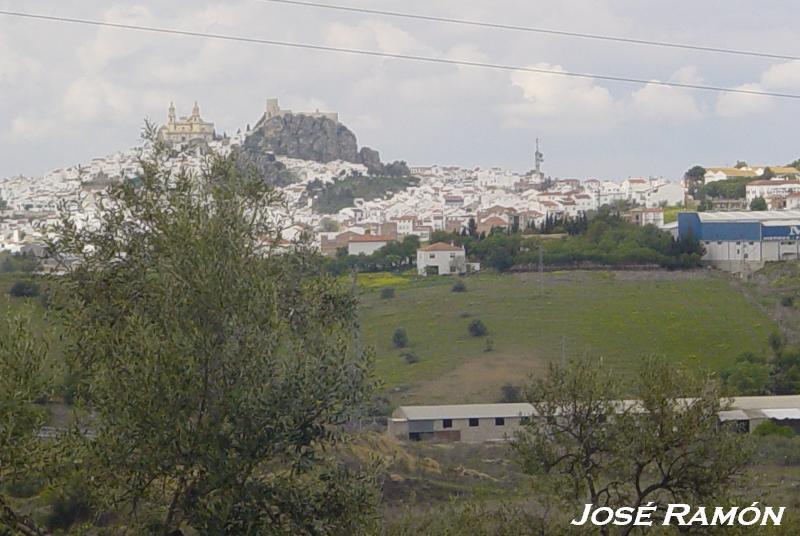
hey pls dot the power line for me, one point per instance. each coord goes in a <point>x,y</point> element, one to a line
<point>549,31</point>
<point>409,57</point>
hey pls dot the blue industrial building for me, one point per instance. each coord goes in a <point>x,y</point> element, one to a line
<point>744,241</point>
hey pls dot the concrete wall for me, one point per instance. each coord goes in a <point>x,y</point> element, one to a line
<point>486,430</point>
<point>367,248</point>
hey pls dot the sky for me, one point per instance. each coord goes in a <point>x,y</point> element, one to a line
<point>69,93</point>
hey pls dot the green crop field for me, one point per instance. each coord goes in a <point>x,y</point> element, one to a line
<point>697,318</point>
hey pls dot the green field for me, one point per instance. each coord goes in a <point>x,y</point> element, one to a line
<point>698,318</point>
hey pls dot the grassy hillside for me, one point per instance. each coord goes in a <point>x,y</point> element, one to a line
<point>697,317</point>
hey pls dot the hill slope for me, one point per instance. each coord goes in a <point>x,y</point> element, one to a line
<point>696,317</point>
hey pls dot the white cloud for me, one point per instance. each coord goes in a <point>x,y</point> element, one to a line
<point>782,76</point>
<point>655,102</point>
<point>14,66</point>
<point>572,101</point>
<point>739,105</point>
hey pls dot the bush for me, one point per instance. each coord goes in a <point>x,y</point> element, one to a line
<point>787,301</point>
<point>400,338</point>
<point>511,394</point>
<point>769,428</point>
<point>409,357</point>
<point>477,328</point>
<point>387,292</point>
<point>24,289</point>
<point>69,507</point>
<point>459,286</point>
<point>465,314</point>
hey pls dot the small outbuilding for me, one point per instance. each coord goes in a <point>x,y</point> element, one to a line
<point>469,423</point>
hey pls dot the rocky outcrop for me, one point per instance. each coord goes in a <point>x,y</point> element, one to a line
<point>371,159</point>
<point>264,166</point>
<point>304,137</point>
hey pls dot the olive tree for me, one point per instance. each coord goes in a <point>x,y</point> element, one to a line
<point>214,369</point>
<point>663,445</point>
<point>22,383</point>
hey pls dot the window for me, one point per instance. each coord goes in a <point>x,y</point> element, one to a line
<point>447,423</point>
<point>432,256</point>
<point>473,423</point>
<point>751,243</point>
<point>414,436</point>
<point>499,421</point>
<point>719,242</point>
<point>524,420</point>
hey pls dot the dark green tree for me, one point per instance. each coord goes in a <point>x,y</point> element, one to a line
<point>759,203</point>
<point>400,338</point>
<point>214,368</point>
<point>472,228</point>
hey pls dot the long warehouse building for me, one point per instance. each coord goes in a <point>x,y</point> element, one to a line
<point>744,241</point>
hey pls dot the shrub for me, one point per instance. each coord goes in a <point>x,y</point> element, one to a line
<point>489,345</point>
<point>787,301</point>
<point>400,338</point>
<point>387,292</point>
<point>69,507</point>
<point>477,328</point>
<point>465,314</point>
<point>510,394</point>
<point>24,289</point>
<point>409,357</point>
<point>769,428</point>
<point>459,286</point>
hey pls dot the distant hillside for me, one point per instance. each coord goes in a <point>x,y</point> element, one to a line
<point>332,197</point>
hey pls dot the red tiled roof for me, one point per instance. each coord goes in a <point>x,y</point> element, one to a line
<point>441,246</point>
<point>371,238</point>
<point>494,220</point>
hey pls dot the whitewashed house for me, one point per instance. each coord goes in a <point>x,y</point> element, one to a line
<point>441,259</point>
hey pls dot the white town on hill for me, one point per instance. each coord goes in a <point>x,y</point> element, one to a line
<point>445,198</point>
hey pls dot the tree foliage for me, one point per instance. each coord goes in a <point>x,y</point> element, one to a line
<point>759,203</point>
<point>587,446</point>
<point>214,370</point>
<point>22,383</point>
<point>331,197</point>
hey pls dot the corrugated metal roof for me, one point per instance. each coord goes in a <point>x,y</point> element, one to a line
<point>755,215</point>
<point>782,413</point>
<point>740,408</point>
<point>733,415</point>
<point>766,402</point>
<point>464,411</point>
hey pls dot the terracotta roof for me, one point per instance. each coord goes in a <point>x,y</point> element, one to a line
<point>371,238</point>
<point>494,220</point>
<point>646,210</point>
<point>441,246</point>
<point>766,182</point>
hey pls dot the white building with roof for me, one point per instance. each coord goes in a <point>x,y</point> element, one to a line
<point>478,423</point>
<point>470,423</point>
<point>441,259</point>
